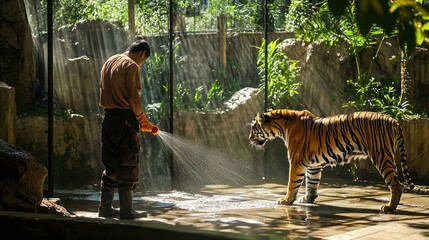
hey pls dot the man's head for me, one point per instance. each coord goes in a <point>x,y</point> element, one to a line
<point>139,51</point>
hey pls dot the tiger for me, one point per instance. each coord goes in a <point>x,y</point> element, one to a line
<point>314,142</point>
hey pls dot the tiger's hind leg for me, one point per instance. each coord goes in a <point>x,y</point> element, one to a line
<point>312,181</point>
<point>387,169</point>
<point>395,197</point>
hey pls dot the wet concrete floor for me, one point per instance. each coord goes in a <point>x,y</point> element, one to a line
<point>342,211</point>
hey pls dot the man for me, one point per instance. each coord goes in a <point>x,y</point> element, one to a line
<point>120,87</point>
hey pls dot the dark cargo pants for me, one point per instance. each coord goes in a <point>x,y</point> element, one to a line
<point>120,149</point>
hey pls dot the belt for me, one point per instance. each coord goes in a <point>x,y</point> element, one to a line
<point>118,111</point>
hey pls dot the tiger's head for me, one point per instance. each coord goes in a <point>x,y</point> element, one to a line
<point>277,123</point>
<point>261,130</point>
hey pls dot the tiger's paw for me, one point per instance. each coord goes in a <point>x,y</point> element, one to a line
<point>284,201</point>
<point>387,209</point>
<point>307,199</point>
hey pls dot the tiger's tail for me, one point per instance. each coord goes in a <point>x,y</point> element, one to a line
<point>404,165</point>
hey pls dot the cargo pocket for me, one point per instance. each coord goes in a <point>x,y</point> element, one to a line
<point>129,149</point>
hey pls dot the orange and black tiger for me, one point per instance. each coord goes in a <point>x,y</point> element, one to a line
<point>314,142</point>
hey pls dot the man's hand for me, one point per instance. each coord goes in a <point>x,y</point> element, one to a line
<point>145,125</point>
<point>155,130</point>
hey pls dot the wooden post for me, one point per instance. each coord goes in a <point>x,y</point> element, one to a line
<point>179,23</point>
<point>131,17</point>
<point>221,27</point>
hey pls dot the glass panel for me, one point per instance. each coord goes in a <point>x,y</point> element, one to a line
<point>216,54</point>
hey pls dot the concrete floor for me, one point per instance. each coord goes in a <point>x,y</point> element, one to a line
<point>342,211</point>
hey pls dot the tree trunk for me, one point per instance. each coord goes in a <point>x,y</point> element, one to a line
<point>131,17</point>
<point>407,83</point>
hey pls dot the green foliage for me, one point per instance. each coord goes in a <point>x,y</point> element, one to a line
<point>409,20</point>
<point>282,73</point>
<point>152,16</point>
<point>198,98</point>
<point>201,100</point>
<point>155,75</point>
<point>215,95</point>
<point>334,23</point>
<point>180,96</point>
<point>368,94</point>
<point>72,11</point>
<point>227,80</point>
<point>318,24</point>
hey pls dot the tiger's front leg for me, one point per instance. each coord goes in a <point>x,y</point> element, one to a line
<point>312,181</point>
<point>296,175</point>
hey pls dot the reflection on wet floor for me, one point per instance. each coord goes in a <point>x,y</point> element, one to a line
<point>342,211</point>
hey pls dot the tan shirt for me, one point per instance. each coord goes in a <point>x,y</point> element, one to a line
<point>120,84</point>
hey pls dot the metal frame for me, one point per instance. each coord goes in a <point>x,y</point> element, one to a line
<point>50,99</point>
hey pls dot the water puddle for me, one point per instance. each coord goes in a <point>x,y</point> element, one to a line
<point>208,203</point>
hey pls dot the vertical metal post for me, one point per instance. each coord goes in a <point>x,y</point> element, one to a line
<point>171,64</point>
<point>170,82</point>
<point>266,76</point>
<point>266,52</point>
<point>50,99</point>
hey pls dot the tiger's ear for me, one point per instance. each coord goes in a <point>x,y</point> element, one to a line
<point>261,118</point>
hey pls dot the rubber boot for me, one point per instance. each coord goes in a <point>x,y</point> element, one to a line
<point>105,208</point>
<point>126,205</point>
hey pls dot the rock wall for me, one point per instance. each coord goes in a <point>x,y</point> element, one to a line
<point>80,51</point>
<point>323,73</point>
<point>17,61</point>
<point>76,148</point>
<point>325,69</point>
<point>21,179</point>
<point>7,113</point>
<point>417,147</point>
<point>419,70</point>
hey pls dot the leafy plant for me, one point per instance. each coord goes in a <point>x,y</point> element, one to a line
<point>281,80</point>
<point>155,72</point>
<point>372,95</point>
<point>408,20</point>
<point>215,95</point>
<point>155,75</point>
<point>198,98</point>
<point>316,23</point>
<point>212,100</point>
<point>180,96</point>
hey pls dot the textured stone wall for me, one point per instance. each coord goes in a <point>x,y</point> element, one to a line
<point>416,132</point>
<point>325,69</point>
<point>419,70</point>
<point>76,145</point>
<point>7,113</point>
<point>17,61</point>
<point>21,179</point>
<point>323,73</point>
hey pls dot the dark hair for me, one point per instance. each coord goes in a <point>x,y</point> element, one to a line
<point>138,46</point>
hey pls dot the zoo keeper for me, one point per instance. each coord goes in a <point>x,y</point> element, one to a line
<point>120,87</point>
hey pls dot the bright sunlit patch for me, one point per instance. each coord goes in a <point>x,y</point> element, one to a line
<point>210,203</point>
